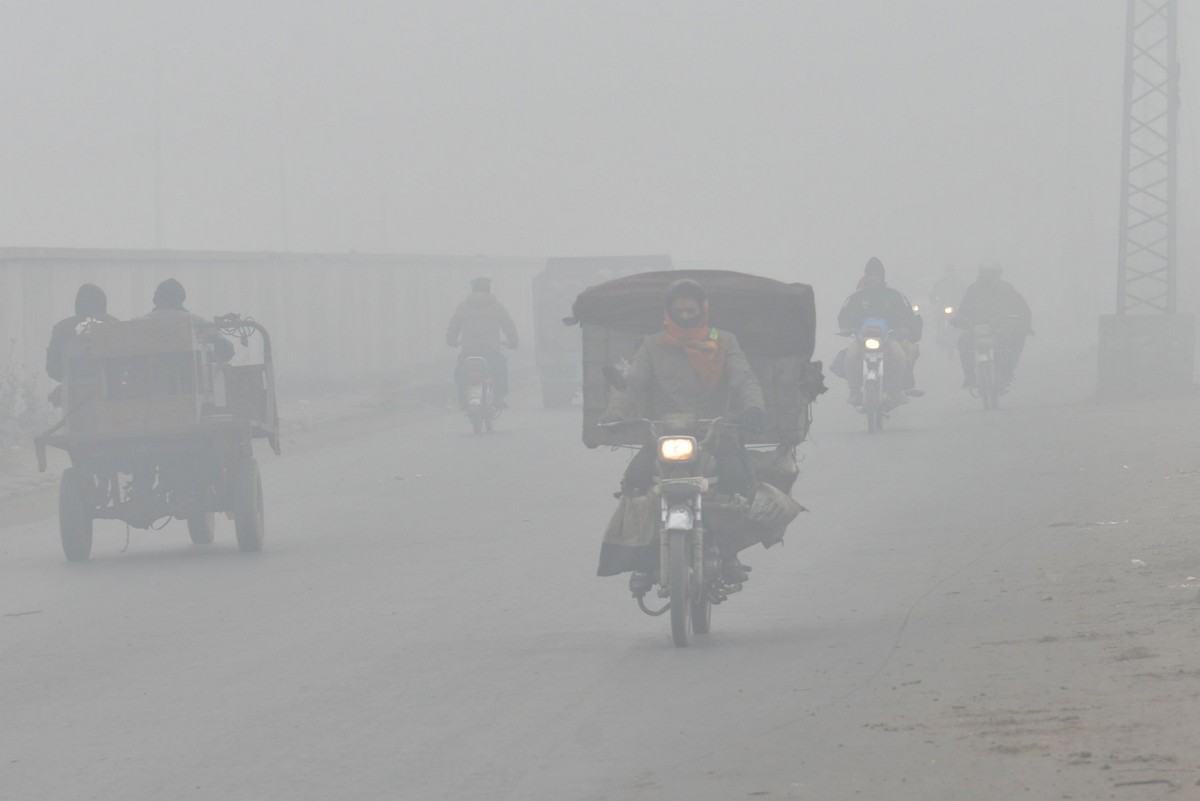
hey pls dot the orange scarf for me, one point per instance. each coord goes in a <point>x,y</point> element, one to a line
<point>705,350</point>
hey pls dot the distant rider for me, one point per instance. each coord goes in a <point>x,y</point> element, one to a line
<point>168,302</point>
<point>690,369</point>
<point>476,325</point>
<point>995,302</point>
<point>877,300</point>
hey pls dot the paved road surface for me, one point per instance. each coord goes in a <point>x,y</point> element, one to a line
<point>960,616</point>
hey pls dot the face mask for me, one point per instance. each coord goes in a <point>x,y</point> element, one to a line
<point>691,322</point>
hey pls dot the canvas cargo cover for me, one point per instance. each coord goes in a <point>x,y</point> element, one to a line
<point>773,321</point>
<point>769,317</point>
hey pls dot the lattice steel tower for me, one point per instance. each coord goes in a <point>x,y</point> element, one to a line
<point>1146,264</point>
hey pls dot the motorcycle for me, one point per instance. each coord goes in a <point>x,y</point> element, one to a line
<point>945,335</point>
<point>993,372</point>
<point>480,395</point>
<point>689,574</point>
<point>873,336</point>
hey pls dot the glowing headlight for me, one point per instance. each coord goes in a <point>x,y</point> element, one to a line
<point>949,310</point>
<point>916,308</point>
<point>871,343</point>
<point>677,449</point>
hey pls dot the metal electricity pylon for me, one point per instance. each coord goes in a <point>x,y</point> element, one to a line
<point>1147,260</point>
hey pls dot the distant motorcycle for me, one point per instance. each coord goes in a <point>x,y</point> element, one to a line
<point>945,334</point>
<point>873,335</point>
<point>480,394</point>
<point>993,367</point>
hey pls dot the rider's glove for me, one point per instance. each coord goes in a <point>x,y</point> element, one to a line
<point>752,419</point>
<point>610,417</point>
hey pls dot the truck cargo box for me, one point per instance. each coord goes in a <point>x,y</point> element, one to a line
<point>775,323</point>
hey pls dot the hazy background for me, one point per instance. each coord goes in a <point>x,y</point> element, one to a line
<point>801,136</point>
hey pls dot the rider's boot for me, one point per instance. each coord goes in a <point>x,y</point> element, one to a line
<point>640,583</point>
<point>733,571</point>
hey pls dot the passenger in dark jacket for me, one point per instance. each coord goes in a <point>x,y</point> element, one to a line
<point>168,302</point>
<point>90,304</point>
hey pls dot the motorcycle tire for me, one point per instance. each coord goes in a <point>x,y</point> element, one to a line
<point>477,423</point>
<point>202,528</point>
<point>679,581</point>
<point>871,404</point>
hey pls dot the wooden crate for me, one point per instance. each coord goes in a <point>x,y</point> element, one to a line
<point>143,337</point>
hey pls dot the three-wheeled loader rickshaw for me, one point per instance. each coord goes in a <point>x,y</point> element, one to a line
<point>157,427</point>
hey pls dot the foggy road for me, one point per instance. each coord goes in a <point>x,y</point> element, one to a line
<point>959,616</point>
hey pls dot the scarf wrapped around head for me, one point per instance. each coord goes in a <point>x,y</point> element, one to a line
<point>705,350</point>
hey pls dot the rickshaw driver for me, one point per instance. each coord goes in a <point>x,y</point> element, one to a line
<point>168,301</point>
<point>692,369</point>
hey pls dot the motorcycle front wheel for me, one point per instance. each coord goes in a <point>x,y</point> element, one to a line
<point>679,581</point>
<point>873,404</point>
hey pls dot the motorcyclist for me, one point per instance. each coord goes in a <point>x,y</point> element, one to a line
<point>168,302</point>
<point>995,302</point>
<point>948,291</point>
<point>690,369</point>
<point>476,325</point>
<point>877,300</point>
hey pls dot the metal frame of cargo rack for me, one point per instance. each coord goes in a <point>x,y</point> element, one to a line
<point>1146,263</point>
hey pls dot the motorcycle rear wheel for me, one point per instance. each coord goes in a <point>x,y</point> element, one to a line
<point>679,581</point>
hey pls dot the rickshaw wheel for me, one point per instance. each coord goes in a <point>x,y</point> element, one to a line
<point>202,527</point>
<point>75,514</point>
<point>248,506</point>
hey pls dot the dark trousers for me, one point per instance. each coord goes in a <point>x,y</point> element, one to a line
<point>499,369</point>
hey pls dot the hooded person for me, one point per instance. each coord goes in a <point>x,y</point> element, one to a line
<point>875,300</point>
<point>476,326</point>
<point>90,304</point>
<point>691,369</point>
<point>168,302</point>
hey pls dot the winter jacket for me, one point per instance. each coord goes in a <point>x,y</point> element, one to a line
<point>996,303</point>
<point>62,339</point>
<point>662,380</point>
<point>878,302</point>
<point>477,323</point>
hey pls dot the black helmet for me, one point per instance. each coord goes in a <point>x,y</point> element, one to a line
<point>481,284</point>
<point>874,267</point>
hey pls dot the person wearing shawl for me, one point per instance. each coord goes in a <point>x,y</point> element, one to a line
<point>692,369</point>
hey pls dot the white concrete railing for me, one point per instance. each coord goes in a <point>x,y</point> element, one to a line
<point>342,317</point>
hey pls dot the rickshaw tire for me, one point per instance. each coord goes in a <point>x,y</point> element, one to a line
<point>248,517</point>
<point>75,514</point>
<point>202,528</point>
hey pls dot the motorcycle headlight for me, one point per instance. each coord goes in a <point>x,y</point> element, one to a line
<point>916,308</point>
<point>949,310</point>
<point>871,343</point>
<point>677,449</point>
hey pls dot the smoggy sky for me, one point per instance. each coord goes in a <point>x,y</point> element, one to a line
<point>803,132</point>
